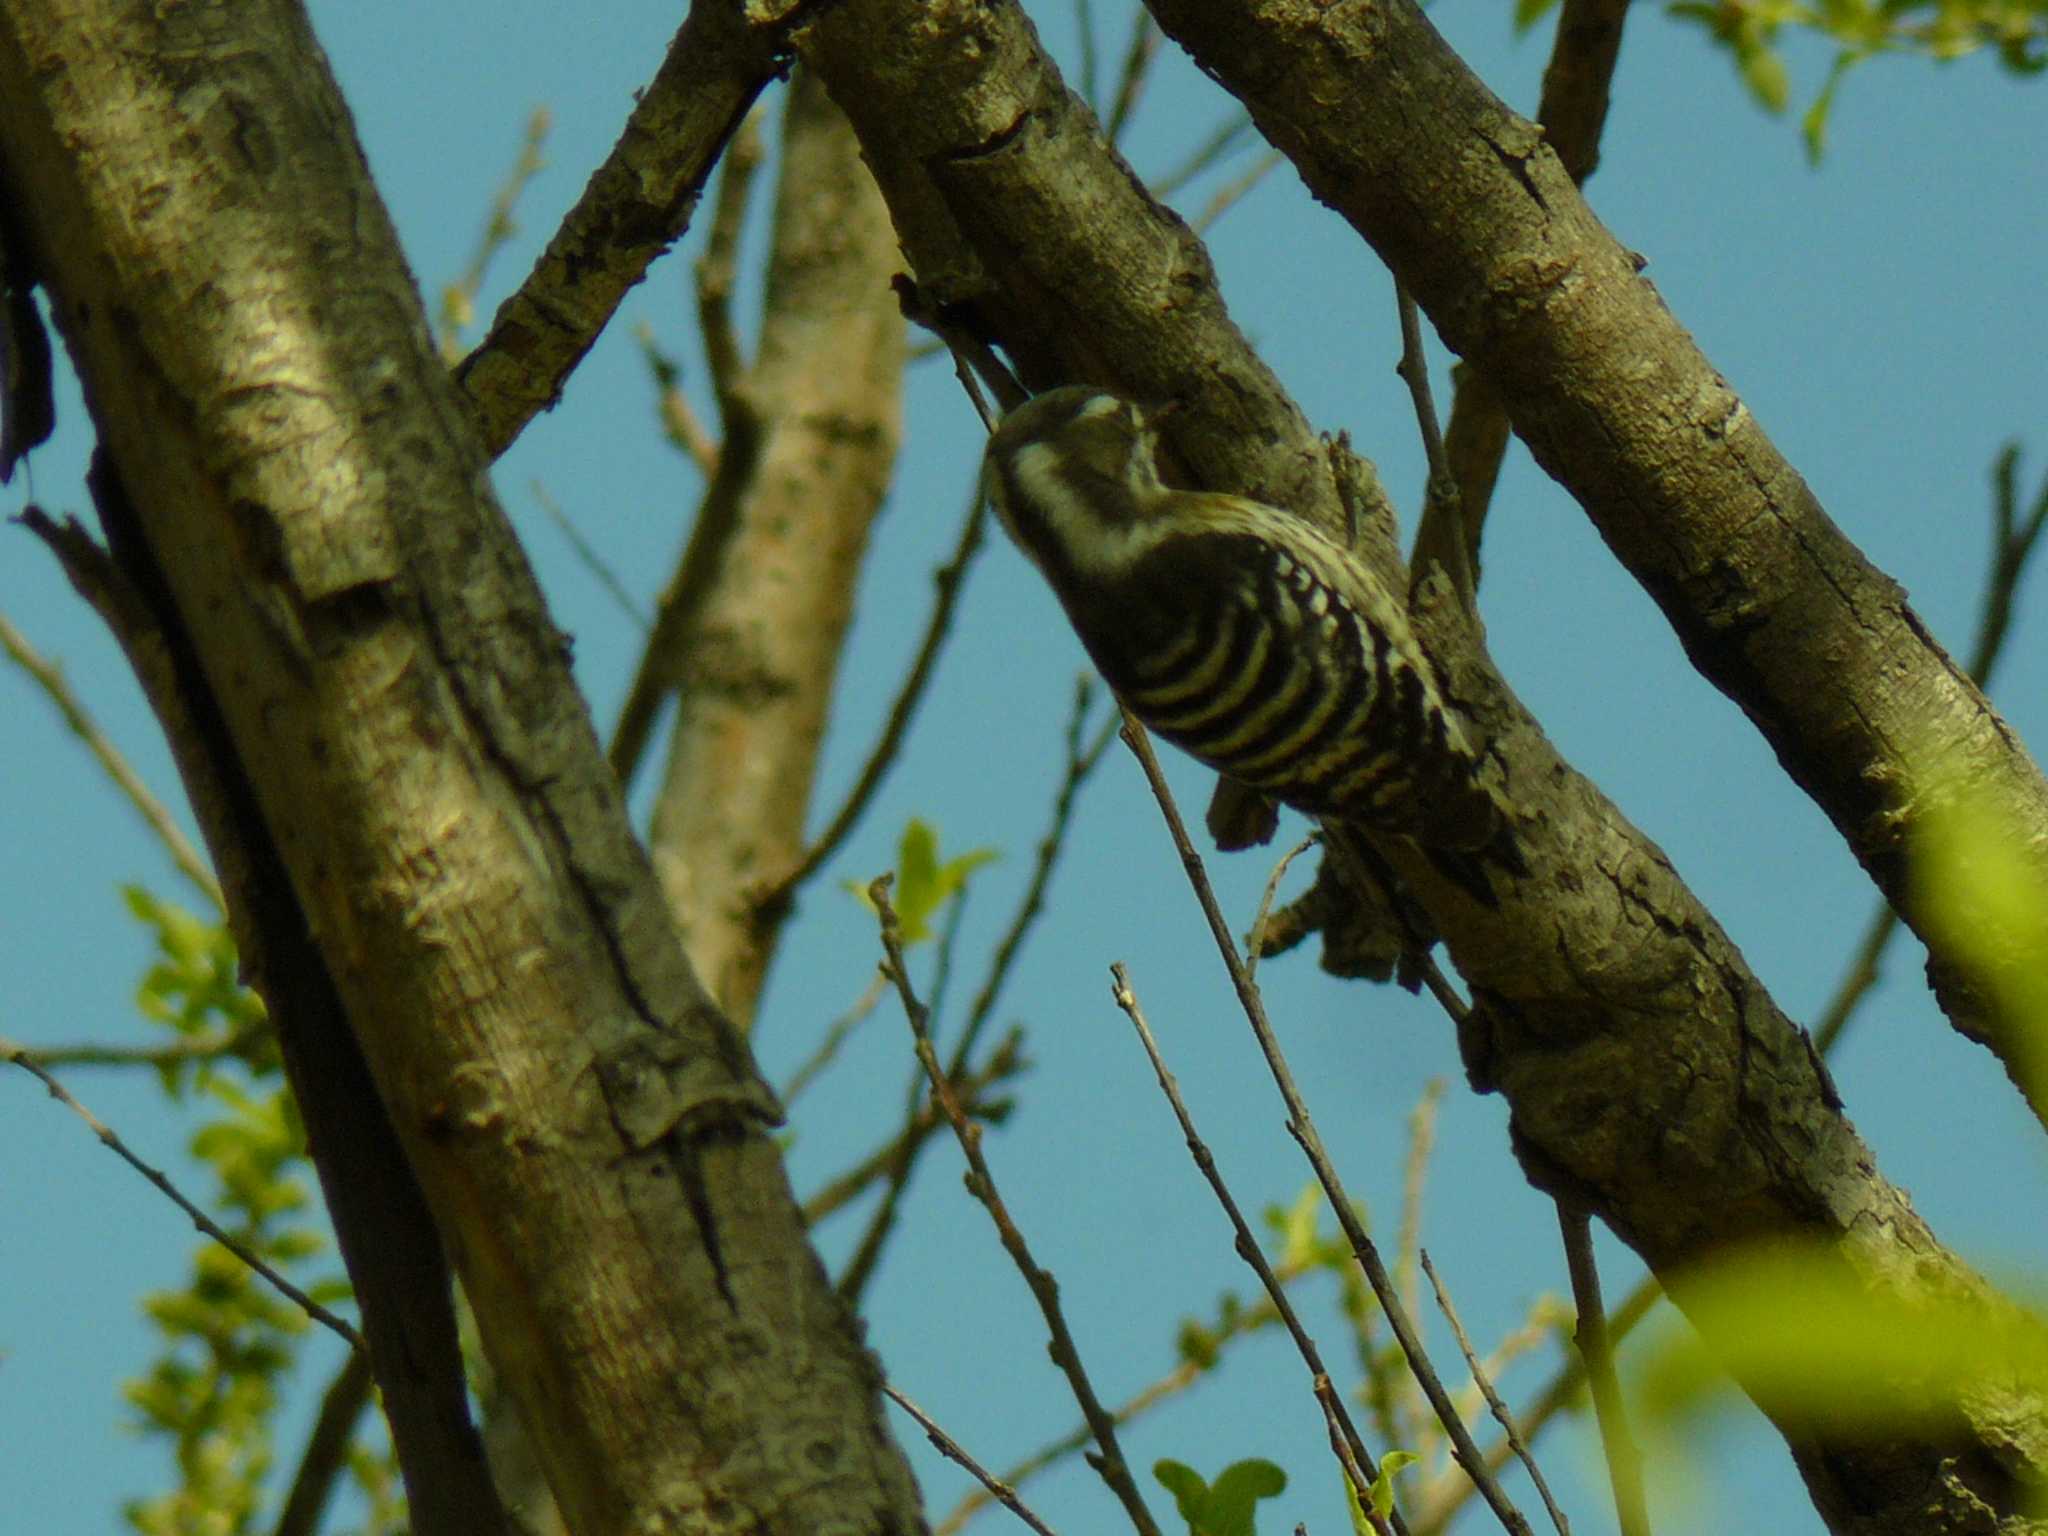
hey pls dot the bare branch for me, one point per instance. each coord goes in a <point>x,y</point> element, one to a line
<point>1142,49</point>
<point>49,677</point>
<point>1302,1128</point>
<point>21,1057</point>
<point>1245,1321</point>
<point>1232,192</point>
<point>458,299</point>
<point>1501,1415</point>
<point>588,557</point>
<point>636,205</point>
<point>718,268</point>
<point>1624,1460</point>
<point>191,1049</point>
<point>952,1450</point>
<point>1360,1467</point>
<point>1255,940</point>
<point>680,423</point>
<point>981,1184</point>
<point>1081,761</point>
<point>1440,538</point>
<point>946,581</point>
<point>1204,155</point>
<point>326,1452</point>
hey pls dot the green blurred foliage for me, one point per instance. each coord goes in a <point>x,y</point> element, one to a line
<point>228,1342</point>
<point>924,881</point>
<point>1990,905</point>
<point>1821,1344</point>
<point>1752,33</point>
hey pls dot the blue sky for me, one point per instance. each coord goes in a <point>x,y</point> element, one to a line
<point>1882,317</point>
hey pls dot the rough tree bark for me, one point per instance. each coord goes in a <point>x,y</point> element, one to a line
<point>1650,1075</point>
<point>310,489</point>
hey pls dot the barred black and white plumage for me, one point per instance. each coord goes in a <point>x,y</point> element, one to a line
<point>1235,630</point>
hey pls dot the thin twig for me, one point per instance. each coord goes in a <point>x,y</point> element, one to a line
<point>1236,190</point>
<point>1302,1127</point>
<point>1138,57</point>
<point>1207,153</point>
<point>948,944</point>
<point>1084,24</point>
<point>1408,1235</point>
<point>1255,941</point>
<point>718,267</point>
<point>680,423</point>
<point>1501,1415</point>
<point>1440,537</point>
<point>1624,1460</point>
<point>587,555</point>
<point>1364,1469</point>
<point>2014,543</point>
<point>2014,540</point>
<point>947,582</point>
<point>1555,1398</point>
<point>49,677</point>
<point>1245,1321</point>
<point>326,1453</point>
<point>183,1052</point>
<point>637,204</point>
<point>1573,111</point>
<point>21,1057</point>
<point>834,1037</point>
<point>1110,1465</point>
<point>1083,757</point>
<point>1858,979</point>
<point>458,298</point>
<point>1081,762</point>
<point>952,1450</point>
<point>1006,1061</point>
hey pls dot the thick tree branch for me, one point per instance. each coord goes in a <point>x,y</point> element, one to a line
<point>394,1255</point>
<point>589,1132</point>
<point>1472,210</point>
<point>755,665</point>
<point>1650,1075</point>
<point>638,204</point>
<point>1573,112</point>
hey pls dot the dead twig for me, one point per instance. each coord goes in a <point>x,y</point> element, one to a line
<point>1302,1127</point>
<point>1359,1463</point>
<point>1505,1419</point>
<point>953,1451</point>
<point>21,1057</point>
<point>1110,1464</point>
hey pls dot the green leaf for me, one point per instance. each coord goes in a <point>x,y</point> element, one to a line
<point>1226,1508</point>
<point>924,883</point>
<point>1391,1464</point>
<point>1234,1496</point>
<point>1529,12</point>
<point>1190,1492</point>
<point>1763,71</point>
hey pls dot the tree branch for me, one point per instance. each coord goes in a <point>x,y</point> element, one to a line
<point>637,204</point>
<point>1775,606</point>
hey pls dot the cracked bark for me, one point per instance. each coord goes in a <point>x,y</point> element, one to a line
<point>1470,208</point>
<point>308,480</point>
<point>1650,1075</point>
